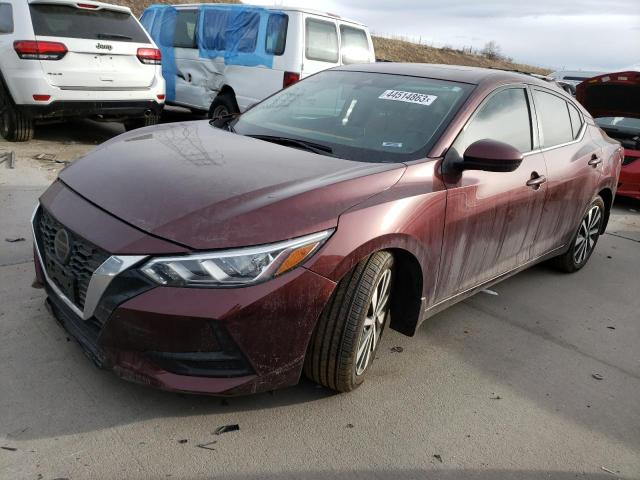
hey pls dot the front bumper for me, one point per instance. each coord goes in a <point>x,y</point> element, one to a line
<point>629,182</point>
<point>199,340</point>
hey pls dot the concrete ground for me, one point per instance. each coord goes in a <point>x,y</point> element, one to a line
<point>496,388</point>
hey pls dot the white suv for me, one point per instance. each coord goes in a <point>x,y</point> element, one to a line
<point>62,59</point>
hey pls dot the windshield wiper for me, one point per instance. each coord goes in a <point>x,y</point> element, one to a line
<point>304,144</point>
<point>224,121</point>
<point>114,36</point>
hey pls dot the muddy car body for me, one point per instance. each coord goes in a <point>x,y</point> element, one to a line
<point>404,200</point>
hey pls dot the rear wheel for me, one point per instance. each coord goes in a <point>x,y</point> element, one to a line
<point>348,333</point>
<point>146,121</point>
<point>222,105</point>
<point>585,239</point>
<point>15,125</point>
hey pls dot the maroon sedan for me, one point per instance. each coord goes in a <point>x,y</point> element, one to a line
<point>230,260</point>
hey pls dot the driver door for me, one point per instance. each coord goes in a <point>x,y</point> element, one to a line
<point>492,217</point>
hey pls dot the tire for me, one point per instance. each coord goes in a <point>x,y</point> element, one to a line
<point>332,358</point>
<point>15,126</point>
<point>145,121</point>
<point>582,247</point>
<point>222,105</point>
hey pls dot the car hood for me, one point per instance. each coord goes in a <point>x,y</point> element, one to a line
<point>206,188</point>
<point>611,95</point>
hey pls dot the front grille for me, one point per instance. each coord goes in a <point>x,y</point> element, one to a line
<point>72,275</point>
<point>628,159</point>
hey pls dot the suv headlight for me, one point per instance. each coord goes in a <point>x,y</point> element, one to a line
<point>236,267</point>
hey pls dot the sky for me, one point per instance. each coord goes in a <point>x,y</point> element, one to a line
<point>601,35</point>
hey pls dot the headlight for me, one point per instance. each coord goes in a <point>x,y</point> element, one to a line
<point>240,266</point>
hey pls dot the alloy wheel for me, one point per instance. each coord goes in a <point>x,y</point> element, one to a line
<point>374,322</point>
<point>587,235</point>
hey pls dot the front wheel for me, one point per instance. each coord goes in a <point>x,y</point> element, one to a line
<point>585,239</point>
<point>346,339</point>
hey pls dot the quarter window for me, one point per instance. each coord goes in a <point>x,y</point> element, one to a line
<point>576,120</point>
<point>354,45</point>
<point>6,18</point>
<point>504,117</point>
<point>554,118</point>
<point>276,33</point>
<point>321,41</point>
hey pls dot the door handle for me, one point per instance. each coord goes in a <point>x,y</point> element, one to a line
<point>536,180</point>
<point>595,160</point>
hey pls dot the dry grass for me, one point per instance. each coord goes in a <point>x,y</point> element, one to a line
<point>138,6</point>
<point>402,51</point>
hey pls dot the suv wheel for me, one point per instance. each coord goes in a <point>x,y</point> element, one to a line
<point>346,339</point>
<point>146,121</point>
<point>222,105</point>
<point>15,125</point>
<point>585,239</point>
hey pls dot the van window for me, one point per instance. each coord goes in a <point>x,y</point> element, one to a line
<point>504,117</point>
<point>321,41</point>
<point>54,20</point>
<point>276,33</point>
<point>185,32</point>
<point>147,18</point>
<point>6,18</point>
<point>554,117</point>
<point>353,45</point>
<point>228,30</point>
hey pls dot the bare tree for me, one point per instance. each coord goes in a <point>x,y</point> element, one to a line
<point>492,50</point>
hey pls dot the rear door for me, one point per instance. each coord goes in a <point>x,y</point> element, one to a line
<point>102,46</point>
<point>355,45</point>
<point>574,166</point>
<point>321,45</point>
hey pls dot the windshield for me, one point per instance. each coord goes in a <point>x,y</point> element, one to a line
<point>370,117</point>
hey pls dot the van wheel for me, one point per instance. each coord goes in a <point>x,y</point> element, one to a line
<point>585,239</point>
<point>222,105</point>
<point>147,121</point>
<point>347,336</point>
<point>15,125</point>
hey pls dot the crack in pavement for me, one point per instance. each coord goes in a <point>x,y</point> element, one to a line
<point>622,236</point>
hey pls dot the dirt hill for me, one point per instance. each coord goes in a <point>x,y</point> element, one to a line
<point>138,6</point>
<point>402,51</point>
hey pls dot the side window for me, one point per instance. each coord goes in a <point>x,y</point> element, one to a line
<point>184,35</point>
<point>229,31</point>
<point>576,120</point>
<point>353,45</point>
<point>276,38</point>
<point>504,117</point>
<point>321,41</point>
<point>554,118</point>
<point>6,18</point>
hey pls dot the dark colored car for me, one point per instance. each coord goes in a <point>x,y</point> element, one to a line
<point>227,261</point>
<point>614,101</point>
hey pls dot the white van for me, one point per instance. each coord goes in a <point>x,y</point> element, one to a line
<point>222,58</point>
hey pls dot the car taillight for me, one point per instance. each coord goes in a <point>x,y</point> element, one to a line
<point>290,78</point>
<point>150,56</point>
<point>35,50</point>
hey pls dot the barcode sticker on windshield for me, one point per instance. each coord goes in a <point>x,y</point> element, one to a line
<point>409,97</point>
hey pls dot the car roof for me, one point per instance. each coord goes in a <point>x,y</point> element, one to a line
<point>73,3</point>
<point>333,16</point>
<point>454,73</point>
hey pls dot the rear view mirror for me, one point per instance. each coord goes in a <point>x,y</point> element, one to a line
<point>490,156</point>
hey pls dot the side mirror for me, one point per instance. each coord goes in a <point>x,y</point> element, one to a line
<point>490,156</point>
